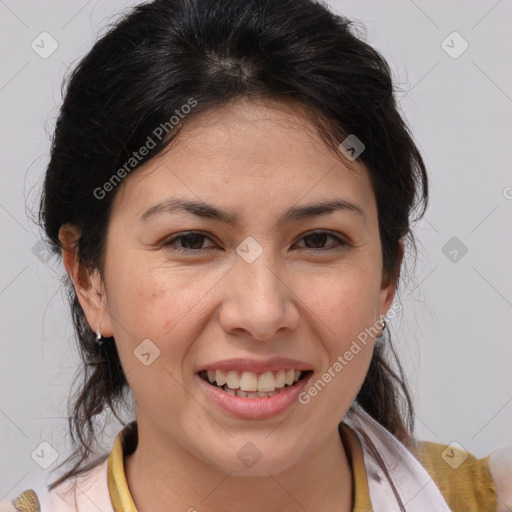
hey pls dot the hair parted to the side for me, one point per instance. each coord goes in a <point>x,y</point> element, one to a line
<point>149,64</point>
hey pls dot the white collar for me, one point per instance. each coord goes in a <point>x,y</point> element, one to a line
<point>82,493</point>
<point>414,485</point>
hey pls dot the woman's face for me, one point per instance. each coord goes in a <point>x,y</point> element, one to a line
<point>250,285</point>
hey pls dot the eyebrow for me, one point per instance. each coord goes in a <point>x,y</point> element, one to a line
<point>294,214</point>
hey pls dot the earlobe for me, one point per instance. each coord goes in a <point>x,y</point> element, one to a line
<point>88,286</point>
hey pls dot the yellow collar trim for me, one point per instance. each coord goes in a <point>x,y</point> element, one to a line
<point>354,451</point>
<point>118,487</point>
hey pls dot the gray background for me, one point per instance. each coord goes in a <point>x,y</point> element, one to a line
<point>454,336</point>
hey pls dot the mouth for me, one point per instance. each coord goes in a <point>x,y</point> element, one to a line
<point>254,385</point>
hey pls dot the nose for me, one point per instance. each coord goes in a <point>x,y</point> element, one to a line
<point>258,303</point>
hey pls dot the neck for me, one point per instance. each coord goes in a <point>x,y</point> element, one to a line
<point>160,472</point>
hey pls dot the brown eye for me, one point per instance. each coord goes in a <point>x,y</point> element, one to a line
<point>193,242</point>
<point>189,242</point>
<point>317,240</point>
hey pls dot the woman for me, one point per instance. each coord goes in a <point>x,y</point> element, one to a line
<point>258,358</point>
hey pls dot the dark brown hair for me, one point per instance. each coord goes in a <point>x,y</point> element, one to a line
<point>149,64</point>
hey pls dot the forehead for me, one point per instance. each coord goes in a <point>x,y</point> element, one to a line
<point>247,154</point>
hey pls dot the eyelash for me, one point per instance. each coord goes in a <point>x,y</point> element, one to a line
<point>168,244</point>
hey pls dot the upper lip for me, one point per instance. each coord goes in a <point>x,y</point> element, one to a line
<point>257,365</point>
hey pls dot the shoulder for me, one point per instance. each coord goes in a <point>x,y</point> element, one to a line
<point>87,491</point>
<point>469,483</point>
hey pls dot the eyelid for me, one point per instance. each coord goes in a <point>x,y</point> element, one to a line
<point>167,242</point>
<point>340,241</point>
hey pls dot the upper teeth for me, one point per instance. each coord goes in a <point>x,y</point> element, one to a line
<point>249,381</point>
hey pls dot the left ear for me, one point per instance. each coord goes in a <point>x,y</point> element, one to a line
<point>388,289</point>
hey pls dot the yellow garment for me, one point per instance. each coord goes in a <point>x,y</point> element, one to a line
<point>354,451</point>
<point>469,488</point>
<point>124,444</point>
<point>27,502</point>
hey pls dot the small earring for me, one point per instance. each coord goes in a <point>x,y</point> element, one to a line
<point>99,341</point>
<point>383,322</point>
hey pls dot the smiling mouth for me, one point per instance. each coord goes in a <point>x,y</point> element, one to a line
<point>252,385</point>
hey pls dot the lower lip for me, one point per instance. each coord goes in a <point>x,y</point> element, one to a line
<point>254,408</point>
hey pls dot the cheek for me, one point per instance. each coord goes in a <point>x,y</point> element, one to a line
<point>148,294</point>
<point>158,303</point>
<point>347,310</point>
<point>345,301</point>
<point>155,315</point>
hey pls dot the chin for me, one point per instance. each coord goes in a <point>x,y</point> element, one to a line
<point>252,462</point>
